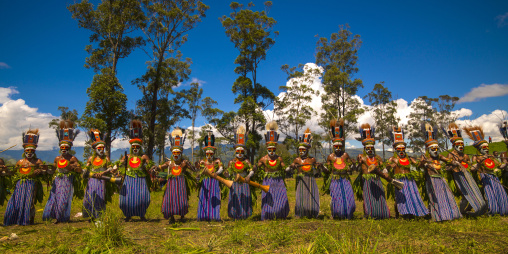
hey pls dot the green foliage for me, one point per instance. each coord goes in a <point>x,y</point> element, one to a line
<point>65,114</point>
<point>107,231</point>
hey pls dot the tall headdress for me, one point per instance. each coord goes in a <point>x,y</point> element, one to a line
<point>337,130</point>
<point>30,138</point>
<point>209,142</point>
<point>271,136</point>
<point>306,138</point>
<point>397,136</point>
<point>177,139</point>
<point>503,128</point>
<point>136,132</point>
<point>66,134</point>
<point>430,133</point>
<point>96,137</point>
<point>476,134</point>
<point>240,137</point>
<point>367,134</point>
<point>453,132</point>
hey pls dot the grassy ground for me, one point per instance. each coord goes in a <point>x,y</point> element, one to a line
<point>485,234</point>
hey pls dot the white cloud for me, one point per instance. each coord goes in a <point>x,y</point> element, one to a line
<point>485,91</point>
<point>4,66</point>
<point>489,123</point>
<point>502,20</point>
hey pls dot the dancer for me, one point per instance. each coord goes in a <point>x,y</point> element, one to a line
<point>210,193</point>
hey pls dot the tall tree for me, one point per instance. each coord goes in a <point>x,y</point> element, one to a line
<point>165,31</point>
<point>252,34</point>
<point>338,56</point>
<point>384,111</point>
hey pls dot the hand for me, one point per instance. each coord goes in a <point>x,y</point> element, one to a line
<point>153,168</point>
<point>99,175</point>
<point>288,169</point>
<point>37,171</point>
<point>247,179</point>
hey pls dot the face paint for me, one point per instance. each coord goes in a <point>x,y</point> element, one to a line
<point>64,149</point>
<point>176,155</point>
<point>209,155</point>
<point>29,153</point>
<point>459,146</point>
<point>337,147</point>
<point>271,151</point>
<point>401,151</point>
<point>369,150</point>
<point>99,150</point>
<point>484,149</point>
<point>239,153</point>
<point>433,151</point>
<point>302,151</point>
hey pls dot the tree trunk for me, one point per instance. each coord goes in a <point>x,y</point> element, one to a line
<point>192,141</point>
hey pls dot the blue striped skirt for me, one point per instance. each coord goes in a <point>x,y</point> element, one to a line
<point>307,197</point>
<point>209,200</point>
<point>343,201</point>
<point>408,199</point>
<point>470,192</point>
<point>60,199</point>
<point>374,199</point>
<point>240,201</point>
<point>94,202</point>
<point>442,204</point>
<point>495,194</point>
<point>134,197</point>
<point>175,197</point>
<point>274,203</point>
<point>21,208</point>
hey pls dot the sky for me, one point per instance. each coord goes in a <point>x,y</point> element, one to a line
<point>417,48</point>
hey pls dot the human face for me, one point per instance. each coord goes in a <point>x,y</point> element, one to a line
<point>369,149</point>
<point>337,147</point>
<point>401,151</point>
<point>99,150</point>
<point>177,154</point>
<point>302,151</point>
<point>239,153</point>
<point>64,149</point>
<point>29,152</point>
<point>209,155</point>
<point>433,150</point>
<point>271,151</point>
<point>484,149</point>
<point>459,146</point>
<point>136,148</point>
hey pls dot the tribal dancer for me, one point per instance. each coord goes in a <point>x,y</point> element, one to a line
<point>176,190</point>
<point>65,182</point>
<point>240,199</point>
<point>97,193</point>
<point>134,194</point>
<point>274,203</point>
<point>21,206</point>
<point>471,195</point>
<point>408,201</point>
<point>488,166</point>
<point>210,193</point>
<point>307,192</point>
<point>374,199</point>
<point>339,166</point>
<point>442,203</point>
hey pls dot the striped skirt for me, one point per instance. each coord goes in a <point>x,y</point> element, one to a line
<point>209,200</point>
<point>374,199</point>
<point>175,200</point>
<point>21,208</point>
<point>134,197</point>
<point>495,194</point>
<point>274,203</point>
<point>240,201</point>
<point>408,199</point>
<point>343,202</point>
<point>470,192</point>
<point>307,197</point>
<point>60,199</point>
<point>93,201</point>
<point>442,204</point>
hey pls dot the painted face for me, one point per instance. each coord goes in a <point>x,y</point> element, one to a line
<point>177,154</point>
<point>271,151</point>
<point>64,149</point>
<point>484,149</point>
<point>302,151</point>
<point>459,146</point>
<point>401,151</point>
<point>99,150</point>
<point>369,149</point>
<point>239,153</point>
<point>29,152</point>
<point>433,151</point>
<point>209,155</point>
<point>136,149</point>
<point>337,147</point>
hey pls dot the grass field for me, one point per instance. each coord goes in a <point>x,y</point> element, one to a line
<point>485,234</point>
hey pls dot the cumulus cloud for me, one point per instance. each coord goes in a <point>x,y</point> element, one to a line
<point>502,20</point>
<point>489,123</point>
<point>485,91</point>
<point>4,66</point>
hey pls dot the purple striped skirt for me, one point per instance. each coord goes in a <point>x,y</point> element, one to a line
<point>343,202</point>
<point>240,201</point>
<point>374,199</point>
<point>21,208</point>
<point>175,197</point>
<point>307,197</point>
<point>408,199</point>
<point>470,192</point>
<point>134,197</point>
<point>442,204</point>
<point>495,194</point>
<point>60,199</point>
<point>93,201</point>
<point>274,203</point>
<point>209,200</point>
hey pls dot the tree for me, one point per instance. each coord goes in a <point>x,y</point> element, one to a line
<point>251,33</point>
<point>338,56</point>
<point>165,31</point>
<point>422,111</point>
<point>292,106</point>
<point>384,111</point>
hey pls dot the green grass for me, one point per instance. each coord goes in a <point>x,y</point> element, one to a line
<point>322,235</point>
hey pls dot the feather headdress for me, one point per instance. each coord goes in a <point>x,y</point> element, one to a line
<point>271,136</point>
<point>337,130</point>
<point>367,134</point>
<point>66,134</point>
<point>177,139</point>
<point>397,136</point>
<point>136,132</point>
<point>96,138</point>
<point>453,133</point>
<point>306,138</point>
<point>240,137</point>
<point>430,133</point>
<point>503,129</point>
<point>476,134</point>
<point>30,138</point>
<point>209,141</point>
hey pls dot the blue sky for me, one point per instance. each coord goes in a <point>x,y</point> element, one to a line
<point>417,48</point>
